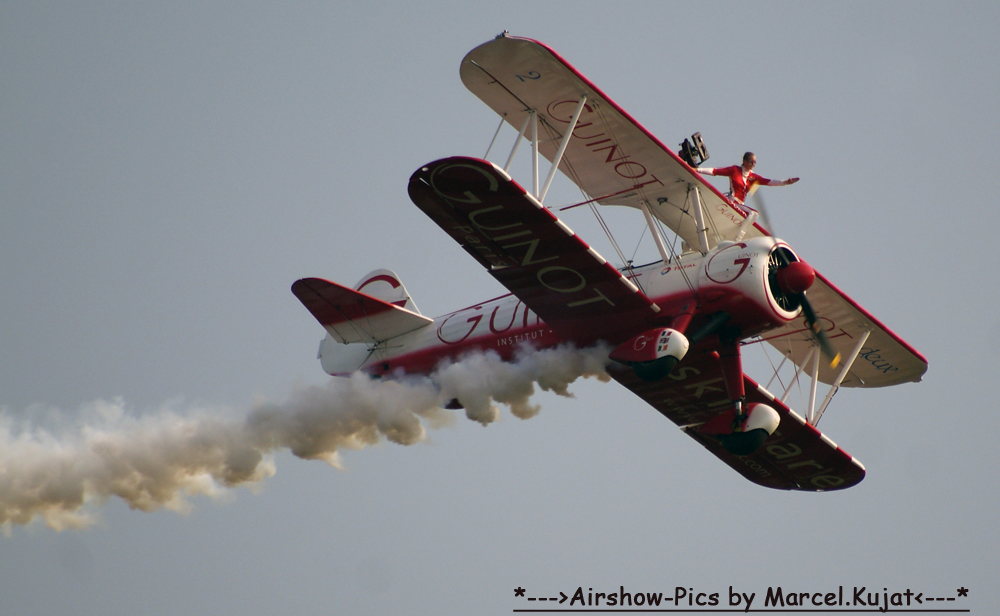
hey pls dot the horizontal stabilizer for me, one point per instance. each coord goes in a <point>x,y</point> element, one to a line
<point>351,316</point>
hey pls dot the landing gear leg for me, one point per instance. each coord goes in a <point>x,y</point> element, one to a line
<point>731,363</point>
<point>750,424</point>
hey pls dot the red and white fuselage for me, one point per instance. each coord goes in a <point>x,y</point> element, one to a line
<point>732,278</point>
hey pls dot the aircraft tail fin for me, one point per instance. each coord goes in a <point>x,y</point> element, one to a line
<point>357,321</point>
<point>385,285</point>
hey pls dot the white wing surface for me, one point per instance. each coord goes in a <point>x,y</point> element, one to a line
<point>884,358</point>
<point>611,157</point>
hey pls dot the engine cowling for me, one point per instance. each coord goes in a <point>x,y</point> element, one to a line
<point>742,279</point>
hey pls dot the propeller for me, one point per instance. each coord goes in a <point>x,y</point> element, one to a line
<point>794,279</point>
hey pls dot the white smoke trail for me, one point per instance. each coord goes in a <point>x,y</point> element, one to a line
<point>158,460</point>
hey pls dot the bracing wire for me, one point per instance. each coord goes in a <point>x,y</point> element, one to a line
<point>777,371</point>
<point>637,244</point>
<point>614,243</point>
<point>555,135</point>
<point>674,257</point>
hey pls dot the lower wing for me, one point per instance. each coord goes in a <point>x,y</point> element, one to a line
<point>795,457</point>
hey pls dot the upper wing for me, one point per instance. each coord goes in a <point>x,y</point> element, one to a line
<point>611,157</point>
<point>795,457</point>
<point>529,251</point>
<point>884,359</point>
<point>351,316</point>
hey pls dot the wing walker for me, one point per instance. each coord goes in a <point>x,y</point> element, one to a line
<point>677,327</point>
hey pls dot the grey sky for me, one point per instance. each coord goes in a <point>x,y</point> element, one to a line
<point>168,171</point>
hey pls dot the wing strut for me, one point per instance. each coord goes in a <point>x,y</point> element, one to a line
<point>699,218</point>
<point>746,224</point>
<point>657,238</point>
<point>812,390</point>
<point>532,119</point>
<point>562,148</point>
<point>520,136</point>
<point>843,374</point>
<point>534,152</point>
<point>494,140</point>
<point>812,415</point>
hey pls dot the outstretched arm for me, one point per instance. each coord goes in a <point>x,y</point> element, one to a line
<point>785,183</point>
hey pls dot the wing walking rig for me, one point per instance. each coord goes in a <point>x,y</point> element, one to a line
<point>677,326</point>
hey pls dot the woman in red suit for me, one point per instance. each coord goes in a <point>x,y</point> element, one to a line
<point>742,178</point>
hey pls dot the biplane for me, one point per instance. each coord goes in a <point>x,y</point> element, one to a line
<point>677,326</point>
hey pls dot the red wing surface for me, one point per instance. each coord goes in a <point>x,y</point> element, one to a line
<point>795,457</point>
<point>529,251</point>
